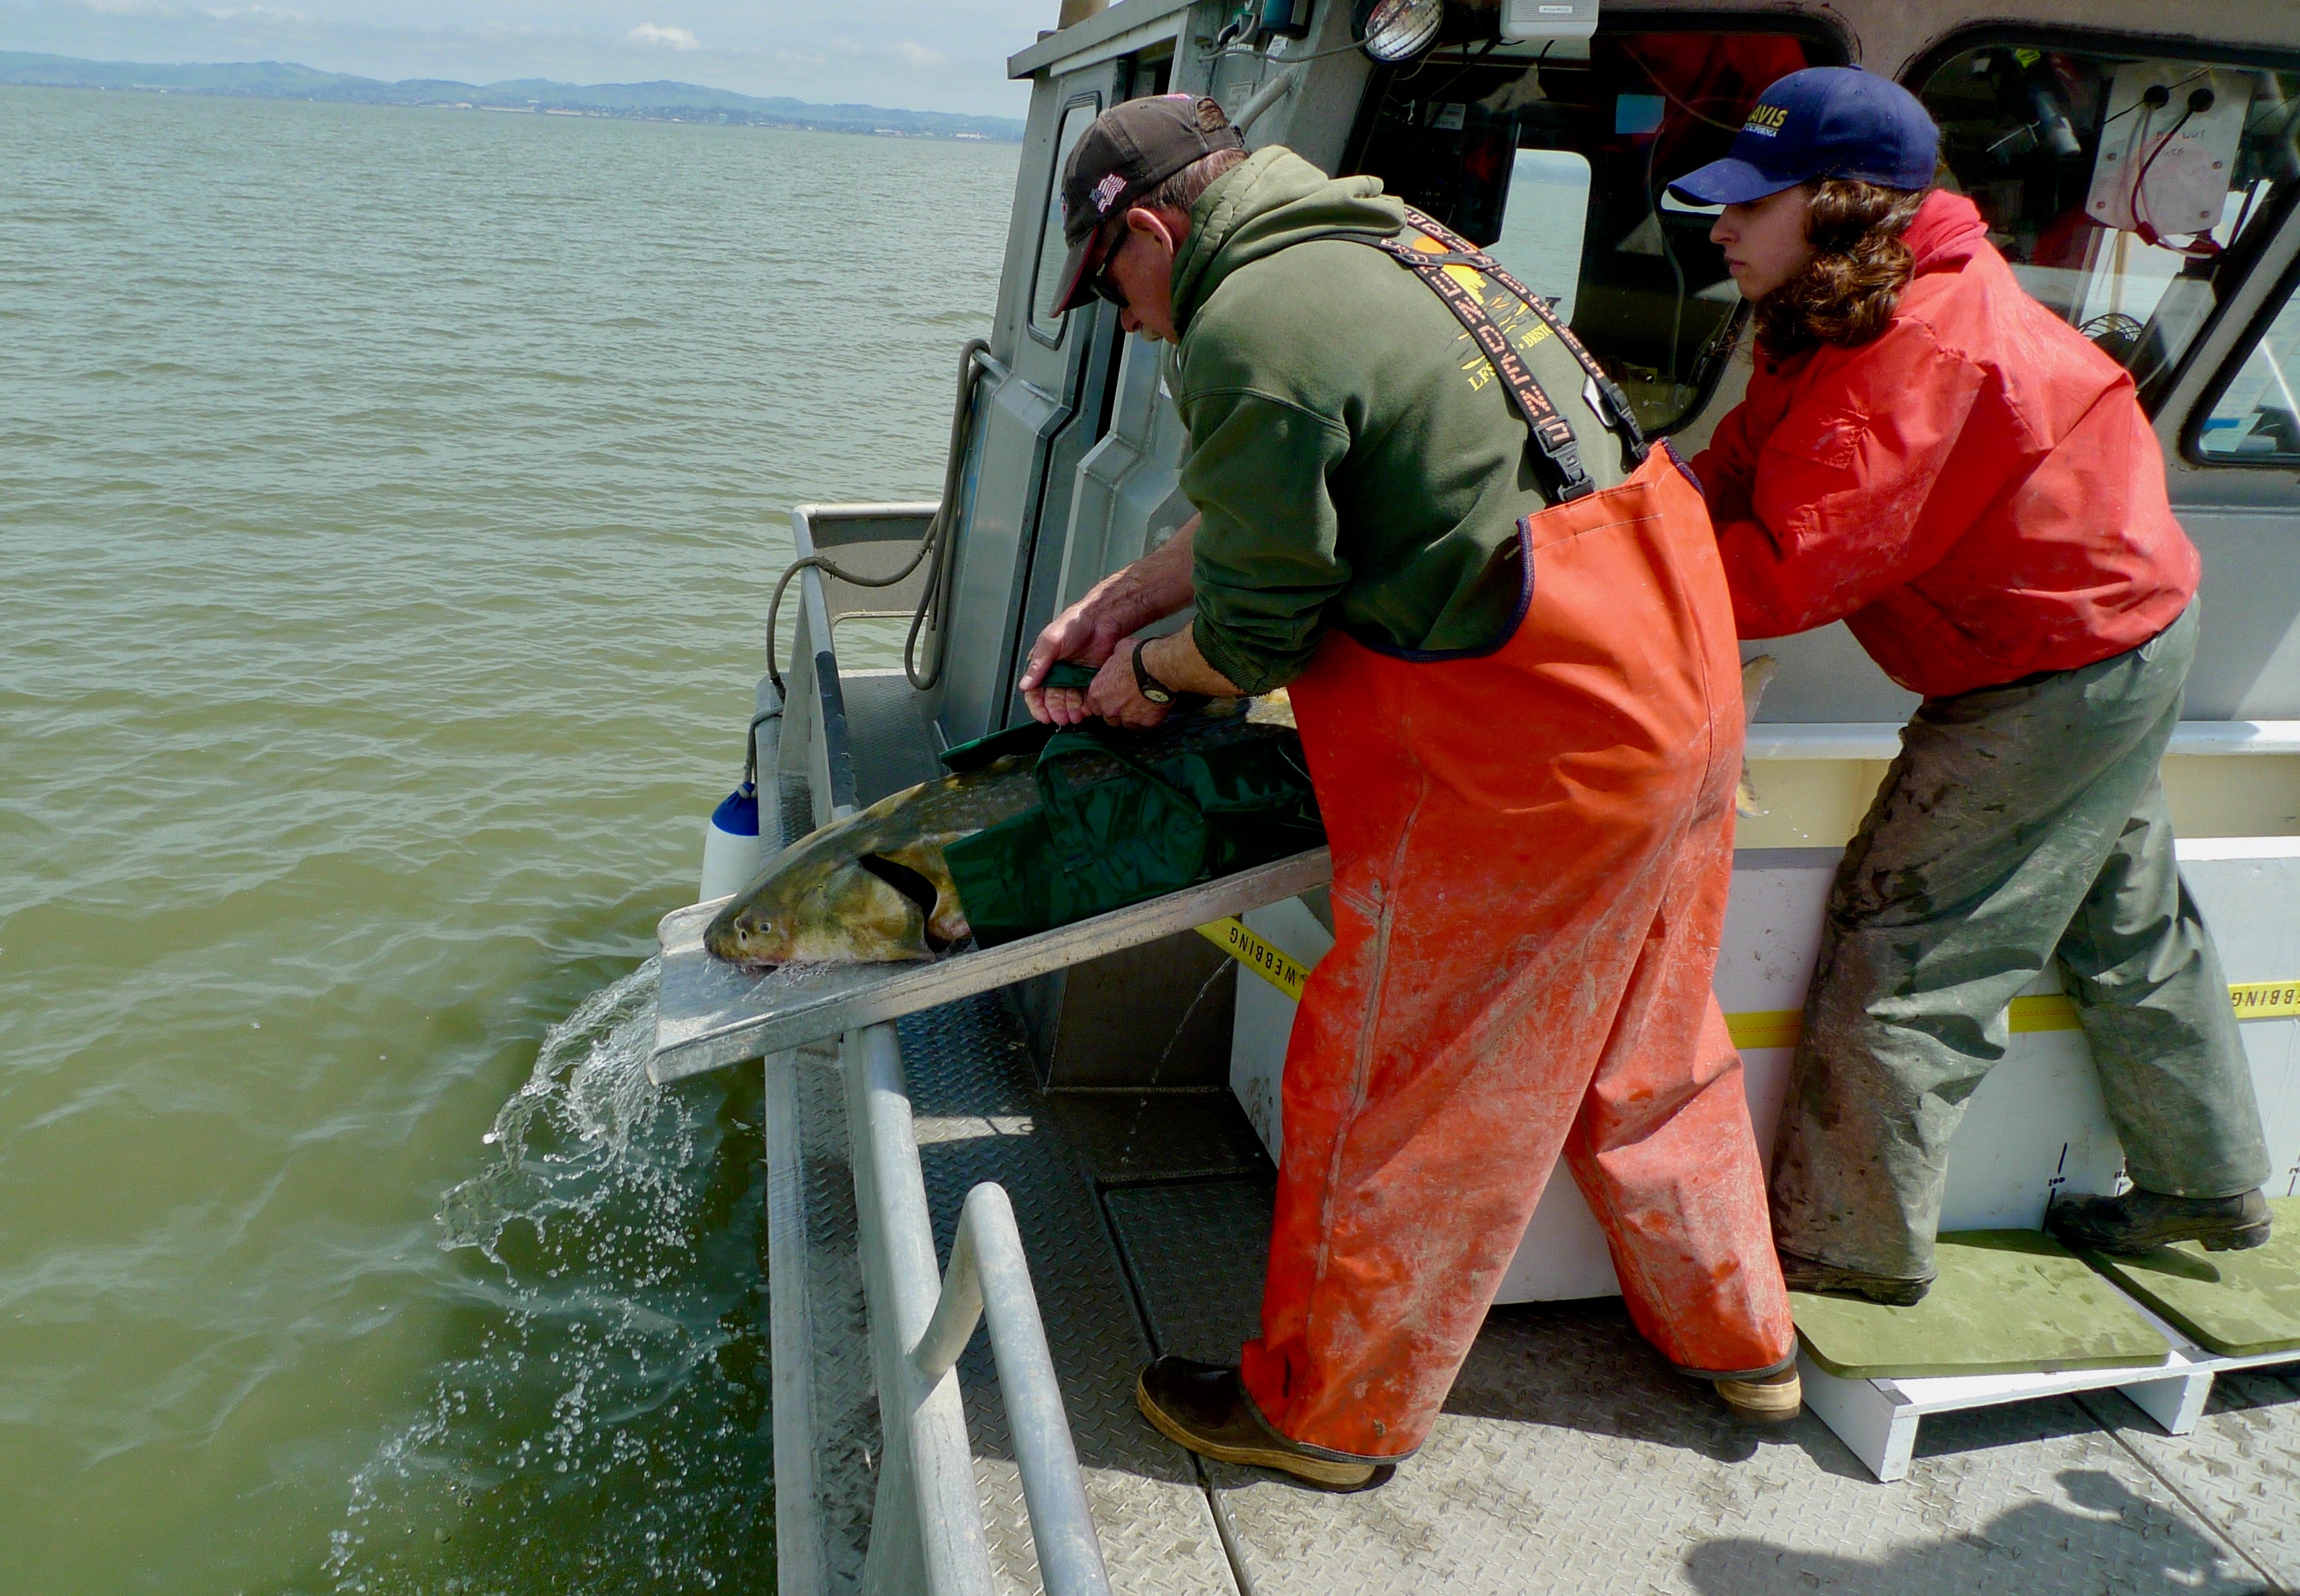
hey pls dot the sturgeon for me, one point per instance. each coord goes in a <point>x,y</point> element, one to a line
<point>873,887</point>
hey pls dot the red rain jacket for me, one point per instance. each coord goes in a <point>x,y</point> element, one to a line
<point>1975,492</point>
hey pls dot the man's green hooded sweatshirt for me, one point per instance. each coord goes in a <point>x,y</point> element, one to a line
<point>1356,460</point>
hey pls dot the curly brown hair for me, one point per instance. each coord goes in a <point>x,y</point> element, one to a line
<point>1847,293</point>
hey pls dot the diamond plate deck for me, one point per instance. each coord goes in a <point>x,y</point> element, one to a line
<point>2241,1465</point>
<point>978,1118</point>
<point>845,1421</point>
<point>1571,1458</point>
<point>890,740</point>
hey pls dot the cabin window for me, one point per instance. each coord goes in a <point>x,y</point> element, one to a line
<point>1045,325</point>
<point>2129,189</point>
<point>2256,420</point>
<point>1557,159</point>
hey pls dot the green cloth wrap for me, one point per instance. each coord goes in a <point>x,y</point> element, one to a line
<point>1111,829</point>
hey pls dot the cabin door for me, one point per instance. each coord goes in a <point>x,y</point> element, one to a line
<point>1034,421</point>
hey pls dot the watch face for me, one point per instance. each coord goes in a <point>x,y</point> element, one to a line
<point>1157,695</point>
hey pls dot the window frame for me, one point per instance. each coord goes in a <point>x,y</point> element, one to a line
<point>2248,338</point>
<point>1046,220</point>
<point>1815,28</point>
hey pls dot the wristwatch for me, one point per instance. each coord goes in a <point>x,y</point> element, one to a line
<point>1152,689</point>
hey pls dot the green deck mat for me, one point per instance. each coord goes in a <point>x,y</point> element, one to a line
<point>2238,1304</point>
<point>2007,1303</point>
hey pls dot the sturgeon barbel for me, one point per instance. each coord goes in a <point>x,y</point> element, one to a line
<point>874,888</point>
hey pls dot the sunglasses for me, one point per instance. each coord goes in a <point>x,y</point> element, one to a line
<point>1100,285</point>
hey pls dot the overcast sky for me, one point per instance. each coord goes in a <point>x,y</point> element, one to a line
<point>921,54</point>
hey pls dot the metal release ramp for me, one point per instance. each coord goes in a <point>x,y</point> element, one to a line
<point>712,1014</point>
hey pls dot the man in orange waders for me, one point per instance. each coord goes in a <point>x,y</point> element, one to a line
<point>1510,654</point>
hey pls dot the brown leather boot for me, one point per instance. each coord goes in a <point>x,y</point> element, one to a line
<point>2140,1220</point>
<point>1203,1406</point>
<point>1770,1399</point>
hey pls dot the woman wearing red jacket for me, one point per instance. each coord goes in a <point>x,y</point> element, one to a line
<point>1929,455</point>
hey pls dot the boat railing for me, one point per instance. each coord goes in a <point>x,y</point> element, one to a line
<point>872,540</point>
<point>927,1533</point>
<point>926,1525</point>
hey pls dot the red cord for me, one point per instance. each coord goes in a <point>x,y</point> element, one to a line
<point>2202,245</point>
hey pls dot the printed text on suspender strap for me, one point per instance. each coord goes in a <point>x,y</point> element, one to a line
<point>1620,418</point>
<point>1552,434</point>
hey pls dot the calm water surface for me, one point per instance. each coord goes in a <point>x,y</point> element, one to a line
<point>389,501</point>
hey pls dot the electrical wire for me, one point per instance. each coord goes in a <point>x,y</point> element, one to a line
<point>935,545</point>
<point>2142,225</point>
<point>1671,95</point>
<point>2142,105</point>
<point>1277,60</point>
<point>1676,266</point>
<point>2202,246</point>
<point>1468,64</point>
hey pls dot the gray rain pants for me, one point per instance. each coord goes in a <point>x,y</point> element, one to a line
<point>2020,824</point>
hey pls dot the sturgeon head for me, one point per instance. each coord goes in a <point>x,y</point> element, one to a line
<point>872,888</point>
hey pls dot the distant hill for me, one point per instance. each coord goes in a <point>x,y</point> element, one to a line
<point>651,101</point>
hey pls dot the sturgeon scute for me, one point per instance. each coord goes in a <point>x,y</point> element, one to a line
<point>874,888</point>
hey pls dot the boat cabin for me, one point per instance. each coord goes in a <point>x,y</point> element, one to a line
<point>2139,166</point>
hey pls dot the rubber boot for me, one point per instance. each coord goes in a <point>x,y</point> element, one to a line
<point>1809,1274</point>
<point>1203,1407</point>
<point>2140,1220</point>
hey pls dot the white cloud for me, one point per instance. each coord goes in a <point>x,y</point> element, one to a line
<point>675,38</point>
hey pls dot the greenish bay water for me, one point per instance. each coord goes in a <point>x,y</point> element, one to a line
<point>389,504</point>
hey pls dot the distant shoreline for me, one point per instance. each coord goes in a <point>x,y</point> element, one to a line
<point>660,101</point>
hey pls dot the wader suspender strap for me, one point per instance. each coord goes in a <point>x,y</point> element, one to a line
<point>1553,435</point>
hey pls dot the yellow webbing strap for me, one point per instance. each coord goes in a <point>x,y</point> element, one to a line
<point>1770,1027</point>
<point>1256,954</point>
<point>2253,1000</point>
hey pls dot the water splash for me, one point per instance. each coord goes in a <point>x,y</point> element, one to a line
<point>601,1424</point>
<point>568,1132</point>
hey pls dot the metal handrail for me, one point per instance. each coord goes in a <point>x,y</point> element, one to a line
<point>927,1526</point>
<point>988,1275</point>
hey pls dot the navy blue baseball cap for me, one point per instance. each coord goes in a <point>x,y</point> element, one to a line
<point>1825,121</point>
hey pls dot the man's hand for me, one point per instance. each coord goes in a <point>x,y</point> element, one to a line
<point>1086,633</point>
<point>1090,631</point>
<point>1117,697</point>
<point>1174,662</point>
